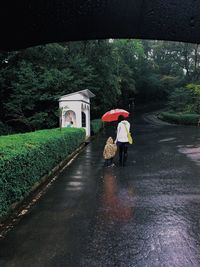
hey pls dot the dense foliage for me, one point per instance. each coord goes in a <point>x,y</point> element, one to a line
<point>32,80</point>
<point>186,98</point>
<point>25,158</point>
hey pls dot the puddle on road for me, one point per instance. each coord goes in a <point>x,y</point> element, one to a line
<point>192,152</point>
<point>74,186</point>
<point>167,139</point>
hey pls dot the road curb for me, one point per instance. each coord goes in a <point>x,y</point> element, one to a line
<point>152,117</point>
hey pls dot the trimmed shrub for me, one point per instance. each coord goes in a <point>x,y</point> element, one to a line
<point>96,126</point>
<point>26,158</point>
<point>186,119</point>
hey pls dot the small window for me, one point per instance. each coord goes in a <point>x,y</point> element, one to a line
<point>83,119</point>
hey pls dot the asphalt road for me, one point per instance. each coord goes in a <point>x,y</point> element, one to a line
<point>144,214</point>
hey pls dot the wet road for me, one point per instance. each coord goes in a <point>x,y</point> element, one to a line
<point>145,214</point>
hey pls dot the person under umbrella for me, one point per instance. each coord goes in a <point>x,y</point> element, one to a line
<point>122,139</point>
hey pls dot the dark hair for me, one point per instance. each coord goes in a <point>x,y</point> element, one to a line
<point>71,122</point>
<point>120,118</point>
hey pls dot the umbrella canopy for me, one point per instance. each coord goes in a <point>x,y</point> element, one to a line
<point>114,114</point>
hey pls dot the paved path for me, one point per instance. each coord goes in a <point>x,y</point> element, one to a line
<point>145,214</point>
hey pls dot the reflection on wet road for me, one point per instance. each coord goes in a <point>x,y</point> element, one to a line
<point>145,214</point>
<point>115,207</point>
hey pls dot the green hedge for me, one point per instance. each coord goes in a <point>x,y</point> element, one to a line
<point>96,126</point>
<point>25,158</point>
<point>180,118</point>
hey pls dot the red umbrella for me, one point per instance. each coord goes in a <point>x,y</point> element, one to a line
<point>113,115</point>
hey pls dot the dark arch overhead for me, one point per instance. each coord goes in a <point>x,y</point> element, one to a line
<point>26,23</point>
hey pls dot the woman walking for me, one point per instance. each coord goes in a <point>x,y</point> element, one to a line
<point>123,129</point>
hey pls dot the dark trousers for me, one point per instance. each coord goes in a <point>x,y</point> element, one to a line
<point>108,162</point>
<point>123,152</point>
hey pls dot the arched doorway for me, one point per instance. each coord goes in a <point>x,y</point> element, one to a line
<point>69,116</point>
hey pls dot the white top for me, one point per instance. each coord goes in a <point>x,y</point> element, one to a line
<point>121,131</point>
